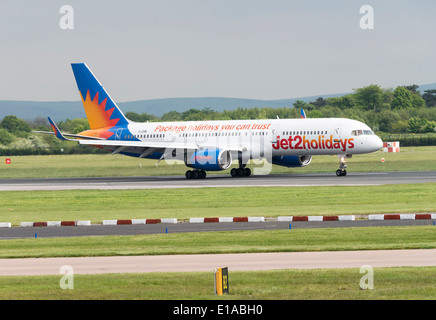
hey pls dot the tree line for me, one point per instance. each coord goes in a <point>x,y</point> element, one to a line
<point>402,110</point>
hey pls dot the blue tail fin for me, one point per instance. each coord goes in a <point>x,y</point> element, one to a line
<point>101,110</point>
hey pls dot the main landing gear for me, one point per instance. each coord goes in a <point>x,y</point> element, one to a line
<point>195,174</point>
<point>341,172</point>
<point>240,172</point>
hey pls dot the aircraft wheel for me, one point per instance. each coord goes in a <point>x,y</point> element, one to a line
<point>233,172</point>
<point>188,174</point>
<point>195,174</point>
<point>240,172</point>
<point>341,173</point>
<point>202,174</point>
<point>247,172</point>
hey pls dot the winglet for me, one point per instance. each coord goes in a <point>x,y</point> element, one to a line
<point>56,130</point>
<point>303,114</point>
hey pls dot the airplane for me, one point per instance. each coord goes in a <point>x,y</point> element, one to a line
<point>213,145</point>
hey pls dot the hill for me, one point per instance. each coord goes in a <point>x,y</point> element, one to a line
<point>62,110</point>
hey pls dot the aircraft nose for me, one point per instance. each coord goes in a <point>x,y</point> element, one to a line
<point>378,143</point>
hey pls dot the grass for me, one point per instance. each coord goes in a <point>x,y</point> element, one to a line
<point>325,239</point>
<point>409,159</point>
<point>98,205</point>
<point>389,283</point>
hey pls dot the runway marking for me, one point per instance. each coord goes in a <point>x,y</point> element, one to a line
<point>104,187</point>
<point>171,182</point>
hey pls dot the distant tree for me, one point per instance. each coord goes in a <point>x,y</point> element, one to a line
<point>386,120</point>
<point>140,117</point>
<point>413,89</point>
<point>74,126</point>
<point>429,127</point>
<point>399,127</point>
<point>315,114</point>
<point>429,97</point>
<point>15,126</point>
<point>172,116</point>
<point>370,97</point>
<point>39,123</point>
<point>417,101</point>
<point>6,137</point>
<point>402,99</point>
<point>300,104</point>
<point>319,103</point>
<point>345,102</point>
<point>416,125</point>
<point>415,98</point>
<point>193,115</point>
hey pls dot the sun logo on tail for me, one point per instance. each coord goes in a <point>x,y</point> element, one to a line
<point>98,117</point>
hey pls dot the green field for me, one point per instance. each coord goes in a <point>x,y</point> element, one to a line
<point>389,283</point>
<point>409,159</point>
<point>97,205</point>
<point>298,240</point>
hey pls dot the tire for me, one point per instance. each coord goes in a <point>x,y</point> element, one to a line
<point>195,174</point>
<point>202,174</point>
<point>233,172</point>
<point>240,172</point>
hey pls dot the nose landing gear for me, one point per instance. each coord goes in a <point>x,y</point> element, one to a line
<point>341,172</point>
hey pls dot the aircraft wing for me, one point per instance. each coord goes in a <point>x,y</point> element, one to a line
<point>140,144</point>
<point>143,148</point>
<point>154,145</point>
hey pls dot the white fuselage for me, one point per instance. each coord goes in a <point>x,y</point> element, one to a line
<point>263,138</point>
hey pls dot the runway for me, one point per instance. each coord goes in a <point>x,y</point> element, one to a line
<point>208,262</point>
<point>274,180</point>
<point>124,230</point>
<point>177,263</point>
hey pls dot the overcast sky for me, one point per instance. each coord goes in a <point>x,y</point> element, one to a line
<point>274,49</point>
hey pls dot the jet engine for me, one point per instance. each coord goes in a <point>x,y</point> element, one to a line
<point>292,161</point>
<point>209,159</point>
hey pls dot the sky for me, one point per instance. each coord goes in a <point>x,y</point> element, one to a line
<point>276,49</point>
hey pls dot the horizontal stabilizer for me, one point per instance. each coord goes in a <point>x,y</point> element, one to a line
<point>62,136</point>
<point>56,130</point>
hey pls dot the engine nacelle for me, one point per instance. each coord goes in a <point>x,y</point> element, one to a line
<point>209,159</point>
<point>292,161</point>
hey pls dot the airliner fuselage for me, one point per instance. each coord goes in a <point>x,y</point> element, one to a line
<point>214,145</point>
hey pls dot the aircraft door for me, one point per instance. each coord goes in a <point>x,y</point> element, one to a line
<point>274,133</point>
<point>337,133</point>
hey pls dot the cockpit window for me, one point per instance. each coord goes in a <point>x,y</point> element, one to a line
<point>360,132</point>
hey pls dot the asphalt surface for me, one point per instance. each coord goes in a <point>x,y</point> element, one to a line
<point>103,230</point>
<point>208,262</point>
<point>156,182</point>
<point>291,180</point>
<point>263,261</point>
